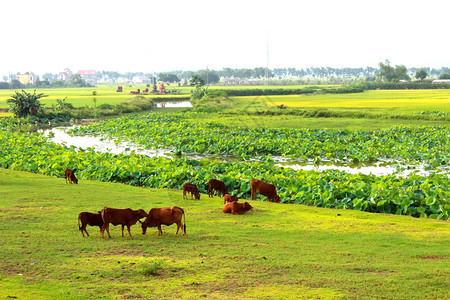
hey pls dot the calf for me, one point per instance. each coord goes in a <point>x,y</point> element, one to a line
<point>117,216</point>
<point>228,198</point>
<point>70,175</point>
<point>87,218</point>
<point>164,216</point>
<point>266,189</point>
<point>236,208</point>
<point>216,185</point>
<point>190,188</point>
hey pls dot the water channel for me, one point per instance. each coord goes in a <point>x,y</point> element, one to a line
<point>103,144</point>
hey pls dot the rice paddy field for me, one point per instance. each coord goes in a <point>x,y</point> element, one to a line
<point>391,101</point>
<point>374,101</point>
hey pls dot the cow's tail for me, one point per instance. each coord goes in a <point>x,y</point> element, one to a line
<point>79,227</point>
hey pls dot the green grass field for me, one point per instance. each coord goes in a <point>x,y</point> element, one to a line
<point>80,97</point>
<point>276,251</point>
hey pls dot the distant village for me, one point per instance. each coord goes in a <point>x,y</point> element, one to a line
<point>90,76</point>
<point>227,76</point>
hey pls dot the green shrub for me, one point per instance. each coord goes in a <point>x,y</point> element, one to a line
<point>152,268</point>
<point>105,106</point>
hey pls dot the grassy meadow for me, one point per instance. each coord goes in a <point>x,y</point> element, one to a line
<point>80,97</point>
<point>276,251</point>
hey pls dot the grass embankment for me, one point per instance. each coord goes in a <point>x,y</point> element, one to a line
<point>369,110</point>
<point>276,251</point>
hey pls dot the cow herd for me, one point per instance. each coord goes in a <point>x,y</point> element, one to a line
<point>127,217</point>
<point>168,215</point>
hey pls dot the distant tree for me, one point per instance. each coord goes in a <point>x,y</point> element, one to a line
<point>4,85</point>
<point>41,84</point>
<point>209,76</point>
<point>23,104</point>
<point>186,74</point>
<point>5,78</point>
<point>444,76</point>
<point>196,81</point>
<point>49,77</point>
<point>199,85</point>
<point>421,74</point>
<point>168,77</point>
<point>110,75</point>
<point>390,74</point>
<point>77,81</point>
<point>401,73</point>
<point>58,83</point>
<point>16,84</point>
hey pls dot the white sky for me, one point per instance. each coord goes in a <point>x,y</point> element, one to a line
<point>154,36</point>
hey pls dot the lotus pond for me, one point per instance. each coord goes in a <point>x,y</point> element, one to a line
<point>180,132</point>
<point>102,143</point>
<point>416,195</point>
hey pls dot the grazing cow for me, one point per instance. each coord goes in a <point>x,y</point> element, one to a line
<point>164,216</point>
<point>70,175</point>
<point>216,185</point>
<point>236,208</point>
<point>87,218</point>
<point>117,216</point>
<point>228,198</point>
<point>191,188</point>
<point>266,189</point>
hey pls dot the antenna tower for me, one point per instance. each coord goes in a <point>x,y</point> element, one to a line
<point>267,62</point>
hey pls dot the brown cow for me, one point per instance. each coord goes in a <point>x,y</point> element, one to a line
<point>70,175</point>
<point>266,189</point>
<point>216,185</point>
<point>236,208</point>
<point>117,216</point>
<point>87,218</point>
<point>228,198</point>
<point>164,216</point>
<point>191,188</point>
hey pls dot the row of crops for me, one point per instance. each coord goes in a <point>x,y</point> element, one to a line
<point>409,144</point>
<point>417,196</point>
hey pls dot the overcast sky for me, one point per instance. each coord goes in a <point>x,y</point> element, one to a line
<point>154,36</point>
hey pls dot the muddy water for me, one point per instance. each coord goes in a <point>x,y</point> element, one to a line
<point>102,144</point>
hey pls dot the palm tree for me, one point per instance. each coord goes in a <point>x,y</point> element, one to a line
<point>24,104</point>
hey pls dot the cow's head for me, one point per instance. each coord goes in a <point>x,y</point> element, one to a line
<point>276,199</point>
<point>144,226</point>
<point>247,206</point>
<point>140,213</point>
<point>197,195</point>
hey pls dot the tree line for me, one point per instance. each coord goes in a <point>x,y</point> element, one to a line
<point>213,76</point>
<point>75,81</point>
<point>384,73</point>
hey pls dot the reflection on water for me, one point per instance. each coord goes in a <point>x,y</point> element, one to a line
<point>101,144</point>
<point>173,104</point>
<point>376,169</point>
